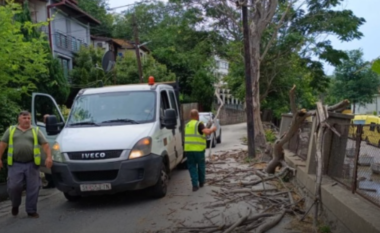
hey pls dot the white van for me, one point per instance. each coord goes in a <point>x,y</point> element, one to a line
<point>116,138</point>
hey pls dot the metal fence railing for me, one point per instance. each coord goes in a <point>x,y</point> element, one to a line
<point>360,166</point>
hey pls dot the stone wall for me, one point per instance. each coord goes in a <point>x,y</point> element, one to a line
<point>229,116</point>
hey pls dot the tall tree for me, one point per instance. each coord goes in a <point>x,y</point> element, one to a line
<point>278,30</point>
<point>355,81</point>
<point>177,40</point>
<point>98,9</point>
<point>22,61</point>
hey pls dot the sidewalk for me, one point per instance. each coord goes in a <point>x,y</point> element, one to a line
<point>235,197</point>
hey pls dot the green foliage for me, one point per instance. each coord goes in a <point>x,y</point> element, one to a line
<point>324,229</point>
<point>17,55</point>
<point>53,81</point>
<point>354,80</point>
<point>127,70</point>
<point>270,136</point>
<point>376,66</point>
<point>87,71</point>
<point>177,40</point>
<point>8,113</point>
<point>202,91</point>
<point>98,10</point>
<point>288,60</point>
<point>65,111</point>
<point>23,61</point>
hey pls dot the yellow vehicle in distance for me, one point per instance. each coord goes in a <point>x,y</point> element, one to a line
<point>371,130</point>
<point>358,120</point>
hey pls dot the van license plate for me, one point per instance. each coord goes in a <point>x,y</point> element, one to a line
<point>95,187</point>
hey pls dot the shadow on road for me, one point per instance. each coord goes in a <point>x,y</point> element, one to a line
<point>124,199</point>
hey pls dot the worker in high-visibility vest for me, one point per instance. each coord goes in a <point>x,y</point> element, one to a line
<point>195,146</point>
<point>24,159</point>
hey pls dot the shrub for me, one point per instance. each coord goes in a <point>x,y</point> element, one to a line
<point>270,136</point>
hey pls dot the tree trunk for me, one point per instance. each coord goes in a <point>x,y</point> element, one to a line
<point>260,140</point>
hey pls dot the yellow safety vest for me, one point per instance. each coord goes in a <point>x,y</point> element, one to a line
<point>193,140</point>
<point>36,149</point>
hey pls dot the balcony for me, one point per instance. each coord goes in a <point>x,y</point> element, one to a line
<point>69,43</point>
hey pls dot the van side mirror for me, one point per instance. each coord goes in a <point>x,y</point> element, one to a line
<point>170,119</point>
<point>52,126</point>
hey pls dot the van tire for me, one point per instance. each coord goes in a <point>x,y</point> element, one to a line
<point>214,141</point>
<point>219,139</point>
<point>160,188</point>
<point>182,165</point>
<point>72,198</point>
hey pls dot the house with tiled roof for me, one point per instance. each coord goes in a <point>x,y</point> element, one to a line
<point>118,46</point>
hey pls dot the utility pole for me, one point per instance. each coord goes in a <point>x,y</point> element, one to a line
<point>137,48</point>
<point>248,85</point>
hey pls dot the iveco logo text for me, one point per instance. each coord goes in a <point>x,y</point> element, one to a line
<point>93,155</point>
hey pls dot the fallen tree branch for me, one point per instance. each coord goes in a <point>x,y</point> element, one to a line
<point>270,223</point>
<point>231,228</point>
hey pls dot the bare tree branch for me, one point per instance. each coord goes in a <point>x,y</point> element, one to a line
<point>292,98</point>
<point>274,35</point>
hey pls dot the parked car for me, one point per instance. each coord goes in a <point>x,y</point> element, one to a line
<point>206,118</point>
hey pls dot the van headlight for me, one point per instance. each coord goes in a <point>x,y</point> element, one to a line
<point>56,154</point>
<point>142,148</point>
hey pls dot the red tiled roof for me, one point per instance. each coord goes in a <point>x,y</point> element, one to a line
<point>123,43</point>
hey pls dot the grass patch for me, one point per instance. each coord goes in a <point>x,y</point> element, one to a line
<point>324,229</point>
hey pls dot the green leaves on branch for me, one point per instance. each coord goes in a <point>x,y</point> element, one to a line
<point>24,60</point>
<point>98,9</point>
<point>88,71</point>
<point>376,66</point>
<point>127,69</point>
<point>21,61</point>
<point>355,80</point>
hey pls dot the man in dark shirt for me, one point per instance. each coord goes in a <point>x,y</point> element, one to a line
<point>23,163</point>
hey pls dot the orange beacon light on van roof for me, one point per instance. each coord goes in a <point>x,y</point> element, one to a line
<point>151,80</point>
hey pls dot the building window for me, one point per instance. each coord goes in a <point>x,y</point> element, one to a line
<point>70,43</point>
<point>65,63</point>
<point>61,40</point>
<point>73,44</point>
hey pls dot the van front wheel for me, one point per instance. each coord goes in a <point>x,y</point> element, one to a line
<point>160,188</point>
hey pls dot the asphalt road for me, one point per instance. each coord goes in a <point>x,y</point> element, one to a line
<point>127,212</point>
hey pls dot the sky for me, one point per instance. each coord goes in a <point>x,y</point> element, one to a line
<point>368,9</point>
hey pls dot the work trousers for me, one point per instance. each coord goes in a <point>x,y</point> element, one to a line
<point>18,175</point>
<point>196,163</point>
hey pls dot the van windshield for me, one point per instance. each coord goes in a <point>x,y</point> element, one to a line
<point>132,107</point>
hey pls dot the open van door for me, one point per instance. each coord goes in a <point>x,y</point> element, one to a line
<point>42,105</point>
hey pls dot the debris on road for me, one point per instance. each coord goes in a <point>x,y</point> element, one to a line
<point>246,198</point>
